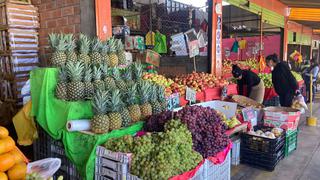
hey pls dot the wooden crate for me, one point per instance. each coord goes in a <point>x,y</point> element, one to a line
<point>16,1</point>
<point>19,16</point>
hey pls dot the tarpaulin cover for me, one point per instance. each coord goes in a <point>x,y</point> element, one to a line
<point>218,159</point>
<point>52,115</point>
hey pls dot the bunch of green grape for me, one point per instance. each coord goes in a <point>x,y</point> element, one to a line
<point>162,155</point>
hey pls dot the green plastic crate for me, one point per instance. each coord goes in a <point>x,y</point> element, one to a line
<point>291,142</point>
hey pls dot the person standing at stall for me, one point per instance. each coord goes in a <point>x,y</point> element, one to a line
<point>255,86</point>
<point>283,81</point>
<point>313,71</point>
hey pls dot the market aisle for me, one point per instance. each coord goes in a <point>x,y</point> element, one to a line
<point>302,164</point>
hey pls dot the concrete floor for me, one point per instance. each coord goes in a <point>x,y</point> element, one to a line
<point>302,164</point>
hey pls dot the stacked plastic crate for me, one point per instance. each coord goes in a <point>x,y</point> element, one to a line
<point>112,165</point>
<point>19,25</point>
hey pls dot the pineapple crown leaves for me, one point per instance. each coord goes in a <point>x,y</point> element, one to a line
<point>63,75</point>
<point>161,93</point>
<point>97,73</point>
<point>127,74</point>
<point>137,70</point>
<point>114,103</point>
<point>96,45</point>
<point>112,45</point>
<point>84,44</point>
<point>71,43</point>
<point>105,69</point>
<point>144,91</point>
<point>88,75</point>
<point>131,95</point>
<point>153,93</point>
<point>99,102</point>
<point>120,46</point>
<point>116,74</point>
<point>58,42</point>
<point>75,71</point>
<point>104,47</point>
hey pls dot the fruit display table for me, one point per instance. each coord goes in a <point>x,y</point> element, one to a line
<point>52,114</point>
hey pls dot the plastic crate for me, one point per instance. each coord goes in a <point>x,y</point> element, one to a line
<point>261,144</point>
<point>45,146</point>
<point>275,101</point>
<point>210,171</point>
<point>262,160</point>
<point>235,152</point>
<point>291,142</point>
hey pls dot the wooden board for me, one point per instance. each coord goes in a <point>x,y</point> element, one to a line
<point>17,1</point>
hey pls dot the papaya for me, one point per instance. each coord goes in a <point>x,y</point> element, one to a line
<point>7,161</point>
<point>18,171</point>
<point>6,144</point>
<point>3,176</point>
<point>3,132</point>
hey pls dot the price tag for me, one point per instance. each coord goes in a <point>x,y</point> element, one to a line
<point>173,101</point>
<point>249,114</point>
<point>191,95</point>
<point>224,92</point>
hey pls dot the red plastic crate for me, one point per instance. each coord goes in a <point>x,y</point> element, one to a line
<point>212,94</point>
<point>232,89</point>
<point>200,96</point>
<point>183,101</point>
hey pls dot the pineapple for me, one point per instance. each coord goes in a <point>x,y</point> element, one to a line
<point>70,50</point>
<point>95,51</point>
<point>127,76</point>
<point>119,82</point>
<point>59,46</point>
<point>131,101</point>
<point>114,107</point>
<point>84,48</point>
<point>61,88</point>
<point>144,94</point>
<point>121,53</point>
<point>108,80</point>
<point>97,76</point>
<point>89,88</point>
<point>156,106</point>
<point>137,72</point>
<point>75,86</point>
<point>162,98</point>
<point>114,61</point>
<point>104,53</point>
<point>125,114</point>
<point>100,120</point>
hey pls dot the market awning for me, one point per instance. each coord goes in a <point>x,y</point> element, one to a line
<point>305,14</point>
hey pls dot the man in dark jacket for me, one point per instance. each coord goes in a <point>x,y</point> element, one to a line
<point>283,81</point>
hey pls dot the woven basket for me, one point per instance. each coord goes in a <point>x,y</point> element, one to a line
<point>246,102</point>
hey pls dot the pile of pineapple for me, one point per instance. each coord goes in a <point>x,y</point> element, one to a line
<point>131,100</point>
<point>88,51</point>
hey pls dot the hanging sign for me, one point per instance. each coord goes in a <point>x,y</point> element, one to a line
<point>192,42</point>
<point>191,95</point>
<point>173,101</point>
<point>218,39</point>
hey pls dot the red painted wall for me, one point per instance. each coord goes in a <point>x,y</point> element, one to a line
<point>271,45</point>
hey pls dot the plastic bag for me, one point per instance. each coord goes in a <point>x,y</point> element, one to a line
<point>45,167</point>
<point>298,102</point>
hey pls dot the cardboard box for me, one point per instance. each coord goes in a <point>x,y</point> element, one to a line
<point>150,57</point>
<point>285,118</point>
<point>227,108</point>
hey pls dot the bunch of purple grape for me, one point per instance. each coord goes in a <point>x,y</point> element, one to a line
<point>156,123</point>
<point>207,129</point>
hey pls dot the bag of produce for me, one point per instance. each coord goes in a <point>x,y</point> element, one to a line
<point>298,102</point>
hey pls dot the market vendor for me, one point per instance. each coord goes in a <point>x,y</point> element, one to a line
<point>283,81</point>
<point>255,86</point>
<point>313,71</point>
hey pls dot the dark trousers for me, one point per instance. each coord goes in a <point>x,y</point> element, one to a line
<point>286,99</point>
<point>307,82</point>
